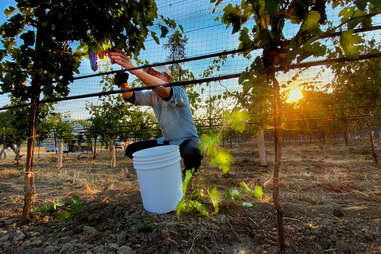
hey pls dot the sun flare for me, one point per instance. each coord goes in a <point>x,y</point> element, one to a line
<point>294,95</point>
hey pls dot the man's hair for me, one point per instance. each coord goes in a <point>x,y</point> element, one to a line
<point>120,78</point>
<point>165,76</point>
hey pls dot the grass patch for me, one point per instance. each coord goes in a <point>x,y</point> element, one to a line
<point>8,173</point>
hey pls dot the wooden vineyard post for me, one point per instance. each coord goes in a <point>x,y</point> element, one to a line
<point>261,148</point>
<point>94,150</point>
<point>29,190</point>
<point>371,139</point>
<point>374,154</point>
<point>113,154</point>
<point>60,154</point>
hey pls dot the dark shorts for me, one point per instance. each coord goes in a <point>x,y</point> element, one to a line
<point>189,151</point>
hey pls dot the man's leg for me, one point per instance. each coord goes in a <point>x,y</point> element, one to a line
<point>13,149</point>
<point>190,151</point>
<point>3,151</point>
<point>137,146</point>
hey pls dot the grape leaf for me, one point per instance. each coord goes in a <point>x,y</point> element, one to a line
<point>153,34</point>
<point>8,12</point>
<point>247,204</point>
<point>258,192</point>
<point>348,42</point>
<point>312,21</point>
<point>214,197</point>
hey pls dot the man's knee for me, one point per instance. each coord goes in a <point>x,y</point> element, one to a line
<point>130,150</point>
<point>191,154</point>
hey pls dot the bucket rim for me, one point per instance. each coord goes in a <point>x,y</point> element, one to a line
<point>158,167</point>
<point>150,152</point>
<point>156,158</point>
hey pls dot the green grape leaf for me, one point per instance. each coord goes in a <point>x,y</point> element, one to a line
<point>246,188</point>
<point>75,198</point>
<point>8,12</point>
<point>311,21</point>
<point>63,215</point>
<point>188,176</point>
<point>350,15</point>
<point>244,38</point>
<point>52,207</point>
<point>164,31</point>
<point>272,6</point>
<point>375,5</point>
<point>232,16</point>
<point>232,194</point>
<point>214,197</point>
<point>209,144</point>
<point>43,209</point>
<point>222,159</point>
<point>59,202</point>
<point>181,28</point>
<point>247,204</point>
<point>348,42</point>
<point>258,192</point>
<point>237,119</point>
<point>179,208</point>
<point>153,34</point>
<point>200,208</point>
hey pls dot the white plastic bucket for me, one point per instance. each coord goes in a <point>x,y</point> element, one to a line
<point>159,176</point>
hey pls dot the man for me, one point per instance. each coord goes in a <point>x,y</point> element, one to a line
<point>171,108</point>
<point>8,142</point>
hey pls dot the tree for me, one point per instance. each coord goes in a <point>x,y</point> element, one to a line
<point>176,44</point>
<point>111,115</point>
<point>261,24</point>
<point>42,61</point>
<point>17,123</point>
<point>357,87</point>
<point>62,130</point>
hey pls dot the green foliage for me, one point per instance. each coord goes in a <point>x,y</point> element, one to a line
<point>176,45</point>
<point>61,125</point>
<point>232,194</point>
<point>210,144</point>
<point>53,35</point>
<point>50,208</point>
<point>189,204</point>
<point>214,197</point>
<point>247,204</point>
<point>73,211</point>
<point>237,120</point>
<point>269,32</point>
<point>76,207</point>
<point>145,227</point>
<point>219,156</point>
<point>257,192</point>
<point>108,117</point>
<point>349,43</point>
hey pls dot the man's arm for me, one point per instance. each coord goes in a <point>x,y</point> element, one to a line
<point>148,79</point>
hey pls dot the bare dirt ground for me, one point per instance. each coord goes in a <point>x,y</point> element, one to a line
<point>331,195</point>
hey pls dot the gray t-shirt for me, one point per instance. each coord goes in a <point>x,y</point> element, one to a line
<point>174,116</point>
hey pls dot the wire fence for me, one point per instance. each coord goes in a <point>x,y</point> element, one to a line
<point>208,39</point>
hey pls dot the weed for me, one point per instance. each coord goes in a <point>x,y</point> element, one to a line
<point>73,211</point>
<point>50,208</point>
<point>190,204</point>
<point>143,226</point>
<point>361,176</point>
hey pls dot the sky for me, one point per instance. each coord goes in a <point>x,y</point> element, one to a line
<point>205,36</point>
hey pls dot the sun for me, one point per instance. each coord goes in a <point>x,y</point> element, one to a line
<point>294,95</point>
